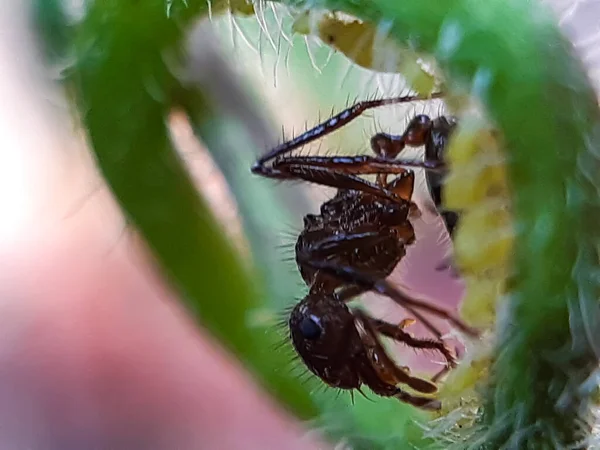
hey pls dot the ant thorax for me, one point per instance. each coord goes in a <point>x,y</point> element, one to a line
<point>357,230</point>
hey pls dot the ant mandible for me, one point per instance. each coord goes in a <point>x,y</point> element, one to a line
<point>354,244</point>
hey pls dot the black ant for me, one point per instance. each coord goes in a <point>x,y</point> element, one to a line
<point>354,244</point>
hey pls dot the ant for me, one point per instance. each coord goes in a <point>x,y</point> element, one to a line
<point>354,244</point>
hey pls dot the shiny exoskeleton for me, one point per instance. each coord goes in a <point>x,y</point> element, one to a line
<point>435,137</point>
<point>359,230</point>
<point>435,148</point>
<point>352,246</point>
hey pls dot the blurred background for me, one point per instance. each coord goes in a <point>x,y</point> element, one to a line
<point>86,315</point>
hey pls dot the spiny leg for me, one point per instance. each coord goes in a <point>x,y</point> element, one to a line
<point>410,304</point>
<point>416,134</point>
<point>419,402</point>
<point>396,333</point>
<point>336,171</point>
<point>389,146</point>
<point>365,287</point>
<point>341,172</point>
<point>387,373</point>
<point>328,177</point>
<point>421,131</point>
<point>386,288</point>
<point>336,122</point>
<point>348,293</point>
<point>403,186</point>
<point>388,370</point>
<point>357,165</point>
<point>450,219</point>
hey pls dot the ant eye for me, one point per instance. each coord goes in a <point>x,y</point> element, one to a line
<point>310,328</point>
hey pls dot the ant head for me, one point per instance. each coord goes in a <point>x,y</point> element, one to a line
<point>324,334</point>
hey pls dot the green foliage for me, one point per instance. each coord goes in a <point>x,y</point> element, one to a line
<point>125,90</point>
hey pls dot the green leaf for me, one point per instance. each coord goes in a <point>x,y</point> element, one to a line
<point>124,85</point>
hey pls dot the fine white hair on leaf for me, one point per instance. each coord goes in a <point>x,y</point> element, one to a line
<point>311,56</point>
<point>209,6</point>
<point>277,59</point>
<point>259,9</point>
<point>348,70</point>
<point>279,23</point>
<point>236,28</point>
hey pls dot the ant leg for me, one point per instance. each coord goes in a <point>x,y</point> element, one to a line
<point>403,186</point>
<point>386,374</point>
<point>347,293</point>
<point>386,146</point>
<point>328,177</point>
<point>340,172</point>
<point>419,402</point>
<point>356,165</point>
<point>331,178</point>
<point>334,123</point>
<point>410,304</point>
<point>415,135</point>
<point>398,334</point>
<point>387,370</point>
<point>450,220</point>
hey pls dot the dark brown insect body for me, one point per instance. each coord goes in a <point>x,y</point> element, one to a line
<point>435,136</point>
<point>435,149</point>
<point>358,230</point>
<point>351,247</point>
<point>368,234</point>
